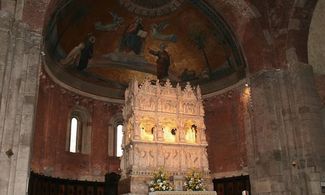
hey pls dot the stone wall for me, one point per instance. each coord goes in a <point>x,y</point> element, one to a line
<point>50,156</point>
<point>286,148</point>
<point>320,86</point>
<point>19,69</point>
<point>316,40</point>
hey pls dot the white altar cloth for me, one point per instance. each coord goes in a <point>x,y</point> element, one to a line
<point>183,193</point>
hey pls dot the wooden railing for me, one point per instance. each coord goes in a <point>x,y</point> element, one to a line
<point>44,185</point>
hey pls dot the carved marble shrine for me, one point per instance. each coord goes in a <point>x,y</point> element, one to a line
<point>163,128</point>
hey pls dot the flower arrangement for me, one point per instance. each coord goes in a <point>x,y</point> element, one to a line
<point>194,182</point>
<point>160,182</point>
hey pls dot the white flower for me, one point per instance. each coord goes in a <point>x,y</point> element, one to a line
<point>152,189</point>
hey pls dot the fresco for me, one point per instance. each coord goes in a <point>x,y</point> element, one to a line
<point>118,44</point>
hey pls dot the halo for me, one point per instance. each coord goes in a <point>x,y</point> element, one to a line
<point>163,46</point>
<point>92,39</point>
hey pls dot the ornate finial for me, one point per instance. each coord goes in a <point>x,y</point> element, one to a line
<point>168,84</point>
<point>178,89</point>
<point>188,88</point>
<point>198,92</point>
<point>145,85</point>
<point>158,87</point>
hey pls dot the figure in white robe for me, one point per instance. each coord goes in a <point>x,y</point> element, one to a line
<point>74,55</point>
<point>81,54</point>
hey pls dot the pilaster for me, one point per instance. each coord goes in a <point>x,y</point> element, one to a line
<point>19,72</point>
<point>287,140</point>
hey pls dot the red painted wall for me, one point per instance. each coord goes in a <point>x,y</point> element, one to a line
<point>226,132</point>
<point>49,151</point>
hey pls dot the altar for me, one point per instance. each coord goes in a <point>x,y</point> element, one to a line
<point>183,193</point>
<point>163,128</point>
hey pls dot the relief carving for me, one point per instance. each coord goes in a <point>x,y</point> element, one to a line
<point>166,116</point>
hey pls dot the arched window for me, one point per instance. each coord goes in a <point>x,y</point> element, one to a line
<point>79,131</point>
<point>119,138</point>
<point>115,136</point>
<point>74,131</point>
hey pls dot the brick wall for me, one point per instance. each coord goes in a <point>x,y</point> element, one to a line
<point>49,150</point>
<point>225,132</point>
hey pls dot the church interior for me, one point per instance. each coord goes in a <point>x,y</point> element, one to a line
<point>95,96</point>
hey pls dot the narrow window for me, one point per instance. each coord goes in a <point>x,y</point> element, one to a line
<point>119,138</point>
<point>73,134</point>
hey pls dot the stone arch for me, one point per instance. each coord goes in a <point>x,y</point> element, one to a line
<point>316,40</point>
<point>245,22</point>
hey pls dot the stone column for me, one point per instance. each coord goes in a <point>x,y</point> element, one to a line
<point>19,70</point>
<point>136,127</point>
<point>160,133</point>
<point>286,140</point>
<point>308,130</point>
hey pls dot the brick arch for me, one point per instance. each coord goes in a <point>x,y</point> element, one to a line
<point>245,22</point>
<point>37,13</point>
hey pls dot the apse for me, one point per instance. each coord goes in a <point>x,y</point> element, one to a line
<point>126,36</point>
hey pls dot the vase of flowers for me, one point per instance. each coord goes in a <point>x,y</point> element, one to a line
<point>194,182</point>
<point>160,182</point>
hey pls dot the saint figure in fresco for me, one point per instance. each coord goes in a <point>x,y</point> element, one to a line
<point>163,61</point>
<point>80,55</point>
<point>86,52</point>
<point>133,37</point>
